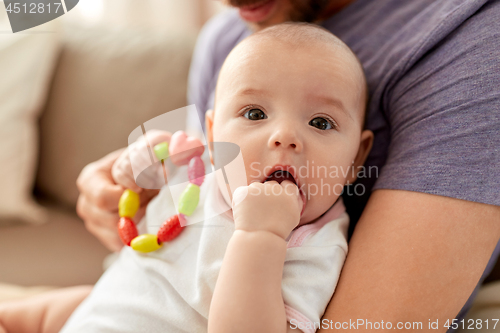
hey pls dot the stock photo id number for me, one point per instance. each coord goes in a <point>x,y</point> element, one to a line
<point>26,14</point>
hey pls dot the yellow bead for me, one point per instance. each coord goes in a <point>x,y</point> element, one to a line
<point>129,204</point>
<point>145,243</point>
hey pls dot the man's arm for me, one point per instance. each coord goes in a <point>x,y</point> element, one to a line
<point>43,313</point>
<point>414,257</point>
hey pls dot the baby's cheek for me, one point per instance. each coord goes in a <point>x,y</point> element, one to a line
<point>321,194</point>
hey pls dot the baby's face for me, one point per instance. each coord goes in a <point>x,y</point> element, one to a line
<point>286,108</point>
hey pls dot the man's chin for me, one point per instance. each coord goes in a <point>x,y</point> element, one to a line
<point>261,14</point>
<point>279,11</point>
<point>257,26</point>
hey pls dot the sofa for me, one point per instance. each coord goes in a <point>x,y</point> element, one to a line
<point>101,83</point>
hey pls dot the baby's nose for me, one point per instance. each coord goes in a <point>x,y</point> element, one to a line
<point>285,138</point>
<point>293,145</point>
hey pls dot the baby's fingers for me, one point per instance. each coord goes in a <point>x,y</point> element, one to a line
<point>292,189</point>
<point>239,195</point>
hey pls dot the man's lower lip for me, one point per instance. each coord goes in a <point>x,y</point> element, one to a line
<point>257,14</point>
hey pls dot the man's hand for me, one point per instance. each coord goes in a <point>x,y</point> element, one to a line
<point>101,185</point>
<point>268,206</point>
<point>139,159</point>
<point>98,201</point>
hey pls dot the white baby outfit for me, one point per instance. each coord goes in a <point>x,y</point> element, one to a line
<point>170,290</point>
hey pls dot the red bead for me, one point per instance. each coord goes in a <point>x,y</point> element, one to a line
<point>127,230</point>
<point>170,229</point>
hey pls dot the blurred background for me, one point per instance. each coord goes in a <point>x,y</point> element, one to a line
<point>174,16</point>
<point>71,91</point>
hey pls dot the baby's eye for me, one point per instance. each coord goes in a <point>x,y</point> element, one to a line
<point>321,123</point>
<point>255,114</point>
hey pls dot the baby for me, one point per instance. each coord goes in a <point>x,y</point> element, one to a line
<point>293,98</point>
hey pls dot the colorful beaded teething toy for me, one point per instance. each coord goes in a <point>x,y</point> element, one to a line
<point>182,150</point>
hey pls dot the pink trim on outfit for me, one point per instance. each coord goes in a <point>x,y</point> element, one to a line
<point>300,234</point>
<point>296,240</point>
<point>291,313</point>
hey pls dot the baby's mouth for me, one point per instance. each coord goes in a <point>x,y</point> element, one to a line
<point>282,175</point>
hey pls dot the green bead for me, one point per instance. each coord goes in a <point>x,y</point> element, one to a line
<point>161,151</point>
<point>145,243</point>
<point>189,199</point>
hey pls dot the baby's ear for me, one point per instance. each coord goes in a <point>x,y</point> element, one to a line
<point>365,145</point>
<point>209,123</point>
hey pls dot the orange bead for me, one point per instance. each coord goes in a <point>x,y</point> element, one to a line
<point>170,229</point>
<point>127,230</point>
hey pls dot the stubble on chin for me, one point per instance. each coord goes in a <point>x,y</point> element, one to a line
<point>307,10</point>
<point>298,11</point>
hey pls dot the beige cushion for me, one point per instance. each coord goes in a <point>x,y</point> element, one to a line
<point>58,253</point>
<point>106,84</point>
<point>27,61</point>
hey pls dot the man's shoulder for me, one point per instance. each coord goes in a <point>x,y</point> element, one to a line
<point>403,27</point>
<point>223,31</point>
<point>217,38</point>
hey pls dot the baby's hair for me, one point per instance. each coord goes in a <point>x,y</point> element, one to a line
<point>298,34</point>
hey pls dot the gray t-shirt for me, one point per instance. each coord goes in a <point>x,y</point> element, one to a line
<point>433,70</point>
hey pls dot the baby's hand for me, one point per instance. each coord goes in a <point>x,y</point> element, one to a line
<point>268,206</point>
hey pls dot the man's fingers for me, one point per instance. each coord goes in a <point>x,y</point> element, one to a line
<point>104,193</point>
<point>156,136</point>
<point>146,196</point>
<point>107,161</point>
<point>126,180</point>
<point>139,163</point>
<point>107,237</point>
<point>140,214</point>
<point>103,223</point>
<point>105,219</point>
<point>91,169</point>
<point>100,223</point>
<point>142,146</point>
<point>102,217</point>
<point>153,177</point>
<point>121,172</point>
<point>96,183</point>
